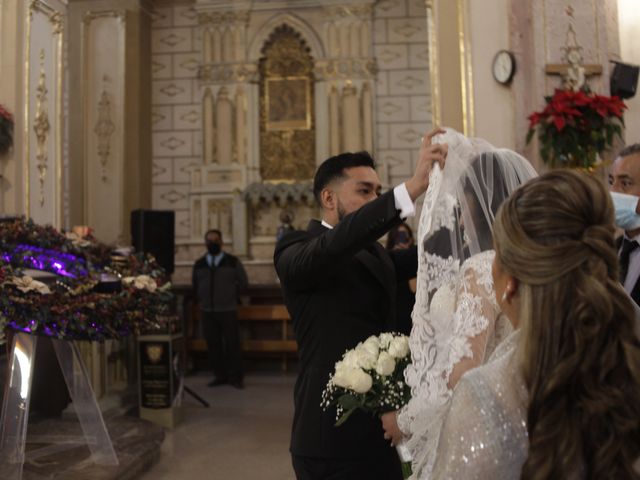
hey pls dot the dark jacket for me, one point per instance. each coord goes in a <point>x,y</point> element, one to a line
<point>217,288</point>
<point>340,287</point>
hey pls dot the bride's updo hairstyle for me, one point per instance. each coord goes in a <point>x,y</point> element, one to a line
<point>580,354</point>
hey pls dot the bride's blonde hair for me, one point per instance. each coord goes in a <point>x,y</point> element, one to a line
<point>580,354</point>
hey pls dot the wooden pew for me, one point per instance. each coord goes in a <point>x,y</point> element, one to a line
<point>277,314</point>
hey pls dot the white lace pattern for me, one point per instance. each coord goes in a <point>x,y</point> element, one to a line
<point>461,309</point>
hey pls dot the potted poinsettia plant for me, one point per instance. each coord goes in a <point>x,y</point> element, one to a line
<point>6,130</point>
<point>576,126</point>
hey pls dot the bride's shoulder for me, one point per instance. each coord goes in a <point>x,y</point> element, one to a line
<point>476,270</point>
<point>480,261</point>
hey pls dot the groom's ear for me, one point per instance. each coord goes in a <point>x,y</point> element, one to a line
<point>328,198</point>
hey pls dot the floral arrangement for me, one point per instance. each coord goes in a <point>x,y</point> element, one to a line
<point>6,130</point>
<point>74,306</point>
<point>576,126</point>
<point>370,377</point>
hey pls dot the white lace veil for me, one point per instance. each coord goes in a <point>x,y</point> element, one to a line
<point>462,201</point>
<point>455,226</point>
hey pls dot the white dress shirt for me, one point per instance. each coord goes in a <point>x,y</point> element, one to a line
<point>403,203</point>
<point>633,272</point>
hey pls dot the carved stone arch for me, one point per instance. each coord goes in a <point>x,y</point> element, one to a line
<point>287,118</point>
<point>307,33</point>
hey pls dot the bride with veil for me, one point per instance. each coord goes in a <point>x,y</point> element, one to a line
<point>457,323</point>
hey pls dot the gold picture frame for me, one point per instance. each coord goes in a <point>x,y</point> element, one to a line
<point>288,102</point>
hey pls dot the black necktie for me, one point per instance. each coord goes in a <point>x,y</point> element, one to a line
<point>628,246</point>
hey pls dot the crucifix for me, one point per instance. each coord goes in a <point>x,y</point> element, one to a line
<point>573,73</point>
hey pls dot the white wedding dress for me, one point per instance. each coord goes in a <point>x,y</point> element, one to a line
<point>484,435</point>
<point>457,323</point>
<point>464,322</point>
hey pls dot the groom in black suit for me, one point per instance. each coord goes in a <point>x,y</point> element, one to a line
<point>339,286</point>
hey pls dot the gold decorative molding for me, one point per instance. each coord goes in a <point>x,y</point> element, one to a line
<point>466,72</point>
<point>41,127</point>
<point>91,15</point>
<point>433,62</point>
<point>57,21</point>
<point>103,129</point>
<point>56,18</point>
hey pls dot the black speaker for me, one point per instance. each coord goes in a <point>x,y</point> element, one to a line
<point>153,231</point>
<point>624,80</point>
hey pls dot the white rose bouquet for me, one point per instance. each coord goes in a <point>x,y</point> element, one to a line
<point>370,377</point>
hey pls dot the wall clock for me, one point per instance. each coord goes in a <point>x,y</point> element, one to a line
<point>504,67</point>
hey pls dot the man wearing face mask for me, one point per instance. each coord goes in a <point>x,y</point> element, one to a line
<point>624,180</point>
<point>218,278</point>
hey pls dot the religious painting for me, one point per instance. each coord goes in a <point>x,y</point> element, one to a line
<point>288,101</point>
<point>287,127</point>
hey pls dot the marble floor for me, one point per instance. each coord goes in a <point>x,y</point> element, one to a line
<point>243,435</point>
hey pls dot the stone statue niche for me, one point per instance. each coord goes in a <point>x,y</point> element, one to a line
<point>272,110</point>
<point>284,198</point>
<point>287,130</point>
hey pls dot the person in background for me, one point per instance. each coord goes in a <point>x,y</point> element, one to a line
<point>400,237</point>
<point>625,179</point>
<point>218,279</point>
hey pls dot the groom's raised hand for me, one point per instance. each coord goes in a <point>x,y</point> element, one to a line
<point>429,154</point>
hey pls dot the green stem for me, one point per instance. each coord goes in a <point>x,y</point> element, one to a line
<point>406,470</point>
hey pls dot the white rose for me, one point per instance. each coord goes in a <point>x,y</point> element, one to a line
<point>365,358</point>
<point>385,340</point>
<point>399,347</point>
<point>141,282</point>
<point>372,345</point>
<point>386,364</point>
<point>145,282</point>
<point>350,359</point>
<point>360,381</point>
<point>341,377</point>
<point>77,240</point>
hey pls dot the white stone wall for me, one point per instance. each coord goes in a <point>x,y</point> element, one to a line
<point>176,111</point>
<point>403,103</point>
<point>629,21</point>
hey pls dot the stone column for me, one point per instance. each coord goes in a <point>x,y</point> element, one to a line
<point>110,157</point>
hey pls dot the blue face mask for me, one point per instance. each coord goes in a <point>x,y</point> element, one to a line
<point>625,207</point>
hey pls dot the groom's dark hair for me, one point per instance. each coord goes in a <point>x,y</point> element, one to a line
<point>333,169</point>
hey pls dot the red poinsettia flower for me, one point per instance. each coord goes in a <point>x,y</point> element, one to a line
<point>616,106</point>
<point>535,118</point>
<point>574,127</point>
<point>580,99</point>
<point>559,122</point>
<point>601,105</point>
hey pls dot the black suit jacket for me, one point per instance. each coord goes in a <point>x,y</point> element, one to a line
<point>635,293</point>
<point>340,287</point>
